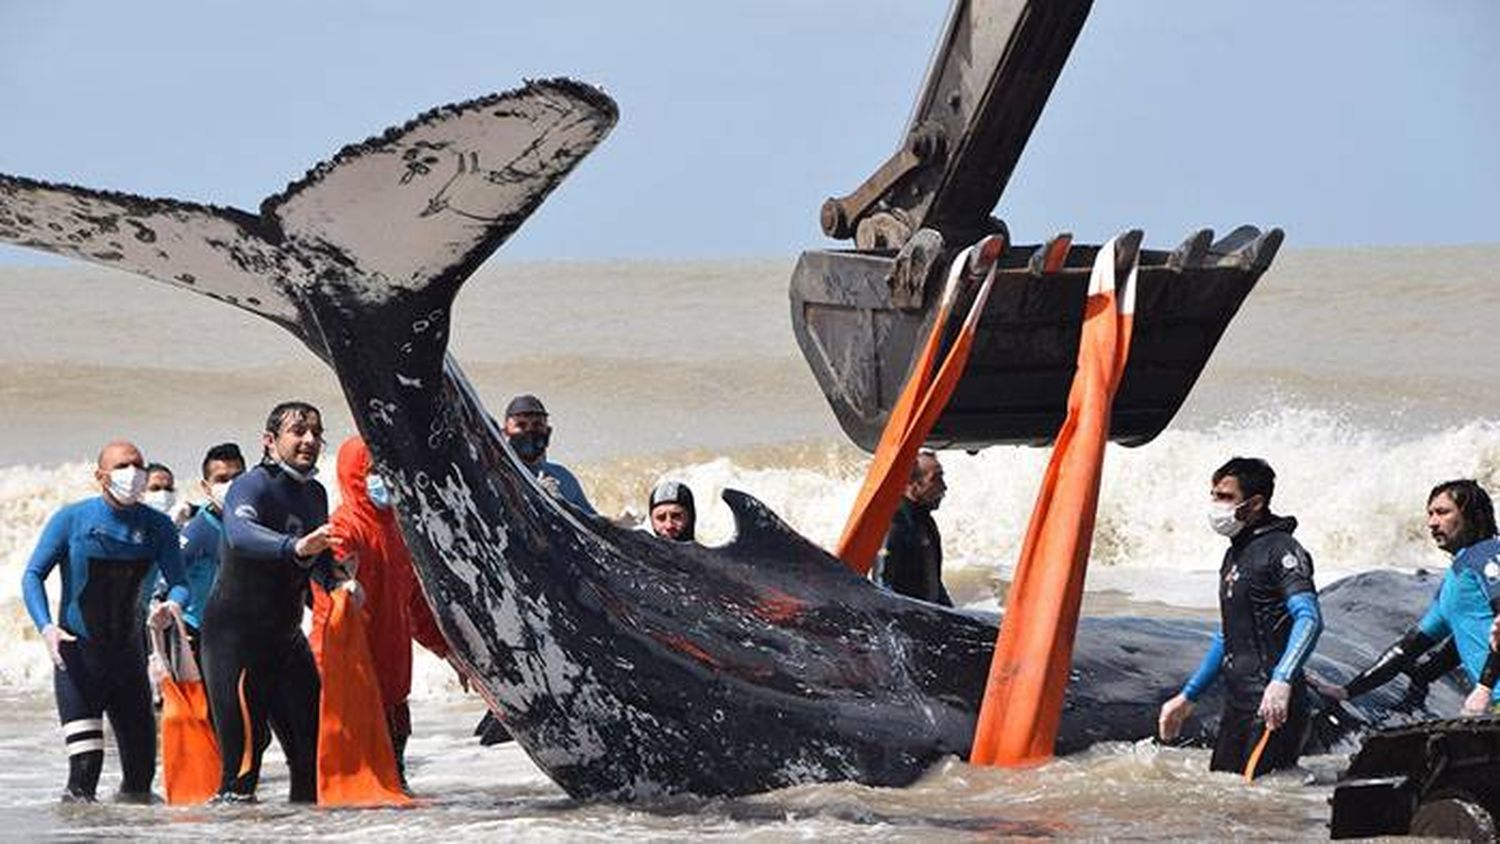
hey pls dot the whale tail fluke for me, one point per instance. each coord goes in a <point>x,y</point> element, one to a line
<point>393,224</point>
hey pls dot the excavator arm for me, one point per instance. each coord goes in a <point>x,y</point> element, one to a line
<point>859,314</point>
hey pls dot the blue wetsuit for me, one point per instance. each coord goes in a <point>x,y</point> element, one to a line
<point>1465,607</point>
<point>202,537</point>
<point>105,554</point>
<point>257,666</point>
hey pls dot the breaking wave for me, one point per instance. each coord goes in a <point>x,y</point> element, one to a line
<point>1358,492</point>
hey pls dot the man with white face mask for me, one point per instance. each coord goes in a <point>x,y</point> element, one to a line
<point>161,494</point>
<point>1270,621</point>
<point>106,545</point>
<point>203,536</point>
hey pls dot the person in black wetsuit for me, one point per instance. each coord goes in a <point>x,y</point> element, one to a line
<point>257,667</point>
<point>105,546</point>
<point>911,563</point>
<point>671,513</point>
<point>1270,622</point>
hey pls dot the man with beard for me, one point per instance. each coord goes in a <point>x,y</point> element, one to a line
<point>911,563</point>
<point>1461,519</point>
<point>529,432</point>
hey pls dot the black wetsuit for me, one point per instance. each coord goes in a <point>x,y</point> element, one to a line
<point>104,554</point>
<point>257,666</point>
<point>911,563</point>
<point>1263,568</point>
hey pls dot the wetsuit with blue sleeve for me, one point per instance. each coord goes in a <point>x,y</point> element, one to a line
<point>257,666</point>
<point>104,554</point>
<point>202,538</point>
<point>1464,609</point>
<point>1270,623</point>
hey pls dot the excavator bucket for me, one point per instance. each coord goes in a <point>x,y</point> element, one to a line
<point>858,313</point>
<point>861,345</point>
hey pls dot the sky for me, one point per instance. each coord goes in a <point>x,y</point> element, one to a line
<point>1346,123</point>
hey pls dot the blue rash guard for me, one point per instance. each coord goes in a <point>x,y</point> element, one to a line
<point>201,538</point>
<point>1465,606</point>
<point>108,549</point>
<point>568,486</point>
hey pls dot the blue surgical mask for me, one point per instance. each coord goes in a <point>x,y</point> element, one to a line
<point>380,494</point>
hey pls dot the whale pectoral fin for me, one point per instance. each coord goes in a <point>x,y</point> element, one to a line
<point>217,252</point>
<point>427,202</point>
<point>760,535</point>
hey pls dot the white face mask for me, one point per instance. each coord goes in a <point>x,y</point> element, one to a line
<point>126,484</point>
<point>300,477</point>
<point>217,492</point>
<point>159,499</point>
<point>1221,518</point>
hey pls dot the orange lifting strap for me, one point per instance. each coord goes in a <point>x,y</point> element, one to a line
<point>917,409</point>
<point>189,751</point>
<point>356,764</point>
<point>1023,699</point>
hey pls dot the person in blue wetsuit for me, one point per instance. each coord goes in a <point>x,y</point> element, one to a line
<point>1461,519</point>
<point>529,432</point>
<point>104,546</point>
<point>1270,622</point>
<point>203,538</point>
<point>257,667</point>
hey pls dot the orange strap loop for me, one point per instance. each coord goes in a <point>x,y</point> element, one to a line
<point>1022,707</point>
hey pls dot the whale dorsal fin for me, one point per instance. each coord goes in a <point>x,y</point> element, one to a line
<point>761,537</point>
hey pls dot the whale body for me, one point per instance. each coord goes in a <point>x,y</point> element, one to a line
<point>626,666</point>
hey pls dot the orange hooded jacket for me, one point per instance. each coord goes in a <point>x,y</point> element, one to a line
<point>395,611</point>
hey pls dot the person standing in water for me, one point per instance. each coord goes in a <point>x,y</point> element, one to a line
<point>203,537</point>
<point>1461,519</point>
<point>671,512</point>
<point>529,432</point>
<point>1269,623</point>
<point>105,545</point>
<point>395,609</point>
<point>256,663</point>
<point>911,562</point>
<point>161,494</point>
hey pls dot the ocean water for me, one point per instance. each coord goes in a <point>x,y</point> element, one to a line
<point>1364,375</point>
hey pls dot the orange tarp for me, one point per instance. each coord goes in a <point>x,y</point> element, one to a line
<point>1022,706</point>
<point>189,752</point>
<point>356,764</point>
<point>917,409</point>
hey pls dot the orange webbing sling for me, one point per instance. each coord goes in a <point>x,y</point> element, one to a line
<point>917,409</point>
<point>356,764</point>
<point>1022,706</point>
<point>189,752</point>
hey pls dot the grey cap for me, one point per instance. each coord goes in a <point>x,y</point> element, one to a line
<point>672,492</point>
<point>526,403</point>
